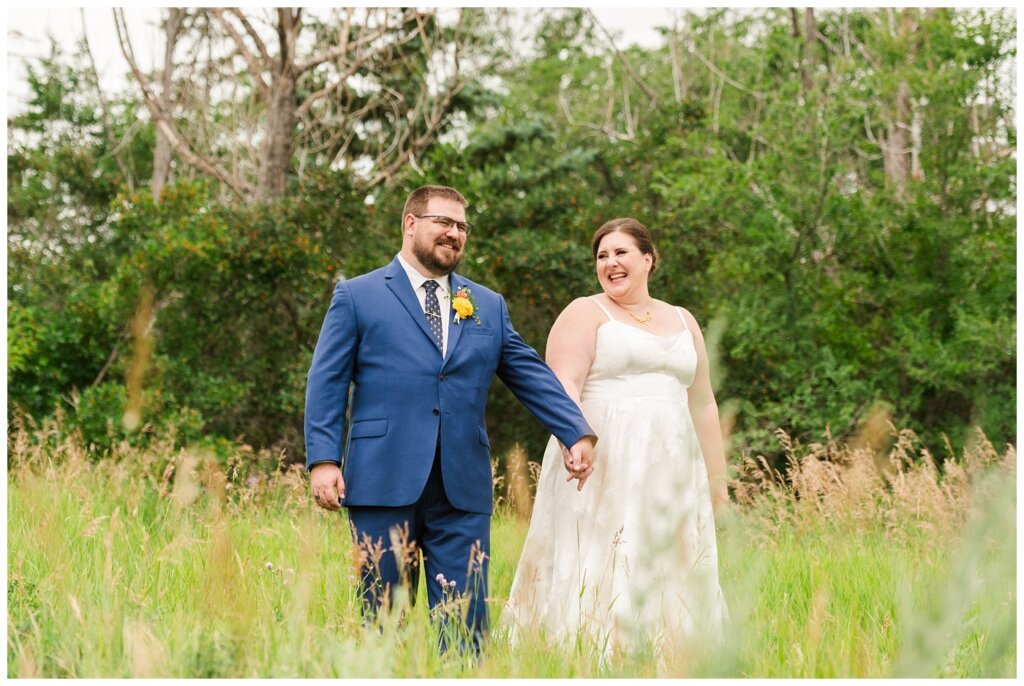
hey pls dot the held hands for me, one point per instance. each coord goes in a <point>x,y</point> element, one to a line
<point>579,460</point>
<point>327,485</point>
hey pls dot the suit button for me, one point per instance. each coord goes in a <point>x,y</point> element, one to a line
<point>436,411</point>
<point>442,377</point>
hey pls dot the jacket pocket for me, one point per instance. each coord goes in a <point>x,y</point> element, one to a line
<point>368,428</point>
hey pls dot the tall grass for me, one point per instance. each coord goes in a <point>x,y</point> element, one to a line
<point>855,562</point>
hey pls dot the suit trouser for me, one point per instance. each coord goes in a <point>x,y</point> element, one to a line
<point>455,546</point>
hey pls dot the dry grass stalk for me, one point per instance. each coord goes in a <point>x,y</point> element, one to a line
<point>147,653</point>
<point>518,480</point>
<point>855,489</point>
<point>143,348</point>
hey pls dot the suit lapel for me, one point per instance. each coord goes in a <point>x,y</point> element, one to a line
<point>398,282</point>
<point>454,330</point>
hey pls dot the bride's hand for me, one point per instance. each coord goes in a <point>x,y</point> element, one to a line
<point>579,460</point>
<point>567,460</point>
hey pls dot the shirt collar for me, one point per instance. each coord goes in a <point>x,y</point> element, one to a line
<point>417,279</point>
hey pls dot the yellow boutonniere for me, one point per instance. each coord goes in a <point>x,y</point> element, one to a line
<point>464,305</point>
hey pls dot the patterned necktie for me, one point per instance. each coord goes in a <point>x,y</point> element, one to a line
<point>434,313</point>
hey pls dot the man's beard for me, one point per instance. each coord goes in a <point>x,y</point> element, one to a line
<point>427,256</point>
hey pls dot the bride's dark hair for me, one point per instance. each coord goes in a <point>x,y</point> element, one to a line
<point>635,229</point>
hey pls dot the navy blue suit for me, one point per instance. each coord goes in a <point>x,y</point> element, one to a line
<point>416,449</point>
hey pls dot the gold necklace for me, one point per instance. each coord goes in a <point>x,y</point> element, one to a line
<point>644,318</point>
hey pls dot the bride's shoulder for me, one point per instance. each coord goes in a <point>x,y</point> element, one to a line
<point>676,307</point>
<point>687,316</point>
<point>584,309</point>
<point>584,303</point>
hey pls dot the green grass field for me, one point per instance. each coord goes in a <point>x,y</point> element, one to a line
<point>167,564</point>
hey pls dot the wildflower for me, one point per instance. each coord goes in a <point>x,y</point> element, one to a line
<point>269,566</point>
<point>440,579</point>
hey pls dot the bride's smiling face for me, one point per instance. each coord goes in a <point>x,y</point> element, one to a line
<point>621,268</point>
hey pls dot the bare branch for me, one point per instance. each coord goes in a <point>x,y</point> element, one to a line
<point>607,131</point>
<point>692,48</point>
<point>256,68</point>
<point>250,30</point>
<point>345,47</point>
<point>678,87</point>
<point>648,91</point>
<point>356,63</point>
<point>164,123</point>
<point>108,128</point>
<point>564,103</point>
<point>106,365</point>
<point>609,110</point>
<point>415,146</point>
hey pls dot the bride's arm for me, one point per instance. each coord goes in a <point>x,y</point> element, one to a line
<point>570,352</point>
<point>704,411</point>
<point>571,345</point>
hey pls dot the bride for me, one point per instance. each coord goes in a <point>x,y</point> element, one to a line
<point>632,557</point>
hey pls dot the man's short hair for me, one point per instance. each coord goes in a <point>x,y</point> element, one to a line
<point>417,201</point>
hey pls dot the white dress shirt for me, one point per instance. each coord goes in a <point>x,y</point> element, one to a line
<point>443,294</point>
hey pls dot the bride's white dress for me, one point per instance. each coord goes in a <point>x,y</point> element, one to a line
<point>633,556</point>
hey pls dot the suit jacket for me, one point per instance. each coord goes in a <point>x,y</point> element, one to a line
<point>405,396</point>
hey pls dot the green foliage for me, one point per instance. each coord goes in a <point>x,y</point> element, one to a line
<point>99,409</point>
<point>62,179</point>
<point>759,167</point>
<point>240,292</point>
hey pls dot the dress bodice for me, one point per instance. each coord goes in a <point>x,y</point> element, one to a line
<point>632,363</point>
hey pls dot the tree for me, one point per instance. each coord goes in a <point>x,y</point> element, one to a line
<point>768,175</point>
<point>372,90</point>
<point>762,159</point>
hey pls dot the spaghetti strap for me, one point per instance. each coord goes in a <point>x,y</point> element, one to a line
<point>679,311</point>
<point>603,309</point>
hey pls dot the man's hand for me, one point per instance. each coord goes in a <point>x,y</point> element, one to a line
<point>579,460</point>
<point>327,485</point>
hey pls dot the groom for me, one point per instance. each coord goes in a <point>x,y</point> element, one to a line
<point>419,345</point>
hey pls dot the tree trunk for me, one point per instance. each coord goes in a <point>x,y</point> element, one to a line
<point>164,150</point>
<point>282,111</point>
<point>276,150</point>
<point>805,44</point>
<point>898,139</point>
<point>811,47</point>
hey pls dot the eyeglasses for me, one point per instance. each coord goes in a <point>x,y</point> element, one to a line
<point>447,222</point>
